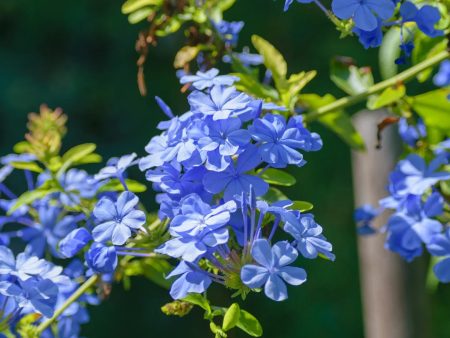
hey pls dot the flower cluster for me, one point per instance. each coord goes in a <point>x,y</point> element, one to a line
<point>81,221</point>
<point>210,166</point>
<point>417,196</point>
<point>369,19</point>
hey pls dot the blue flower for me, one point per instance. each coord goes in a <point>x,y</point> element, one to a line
<point>39,294</point>
<point>235,179</point>
<point>278,142</point>
<point>413,176</point>
<point>426,17</point>
<point>170,179</point>
<point>74,242</point>
<point>224,139</point>
<point>246,58</point>
<point>50,229</point>
<point>308,238</point>
<point>272,271</point>
<point>208,79</point>
<point>439,245</point>
<point>221,103</point>
<point>116,220</point>
<point>409,133</point>
<point>229,31</point>
<point>442,78</point>
<point>365,13</point>
<point>101,258</point>
<point>197,229</point>
<point>409,228</point>
<point>116,167</point>
<point>75,183</point>
<point>372,38</point>
<point>30,282</point>
<point>363,216</point>
<point>24,267</point>
<point>192,280</point>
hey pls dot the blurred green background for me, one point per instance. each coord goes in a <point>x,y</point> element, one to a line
<point>79,55</point>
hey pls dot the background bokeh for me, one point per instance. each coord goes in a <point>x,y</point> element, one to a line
<point>79,55</point>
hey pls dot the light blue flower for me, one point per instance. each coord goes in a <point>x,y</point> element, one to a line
<point>308,238</point>
<point>273,270</point>
<point>439,245</point>
<point>221,103</point>
<point>101,258</point>
<point>116,167</point>
<point>116,220</point>
<point>236,178</point>
<point>365,13</point>
<point>409,228</point>
<point>208,79</point>
<point>197,229</point>
<point>192,280</point>
<point>278,142</point>
<point>76,240</point>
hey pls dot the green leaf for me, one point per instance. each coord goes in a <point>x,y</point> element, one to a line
<point>349,78</point>
<point>140,15</point>
<point>199,300</point>
<point>302,206</point>
<point>154,269</point>
<point>31,166</point>
<point>277,177</point>
<point>273,60</point>
<point>337,121</point>
<point>424,48</point>
<point>30,196</point>
<point>75,154</point>
<point>185,55</point>
<point>274,195</point>
<point>251,85</point>
<point>89,159</point>
<point>389,96</point>
<point>296,83</point>
<point>249,324</point>
<point>115,185</point>
<point>231,317</point>
<point>434,108</point>
<point>133,5</point>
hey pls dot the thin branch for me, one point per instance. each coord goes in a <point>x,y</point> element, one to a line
<point>378,87</point>
<point>77,294</point>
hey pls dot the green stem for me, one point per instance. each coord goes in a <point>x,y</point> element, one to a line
<point>77,294</point>
<point>376,88</point>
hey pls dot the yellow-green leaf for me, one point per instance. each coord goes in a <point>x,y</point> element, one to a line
<point>231,317</point>
<point>277,177</point>
<point>389,96</point>
<point>249,324</point>
<point>31,166</point>
<point>434,108</point>
<point>273,60</point>
<point>185,55</point>
<point>133,5</point>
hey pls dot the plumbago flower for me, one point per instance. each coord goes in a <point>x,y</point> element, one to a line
<point>369,19</point>
<point>273,271</point>
<point>77,219</point>
<point>30,283</point>
<point>416,196</point>
<point>210,166</point>
<point>117,220</point>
